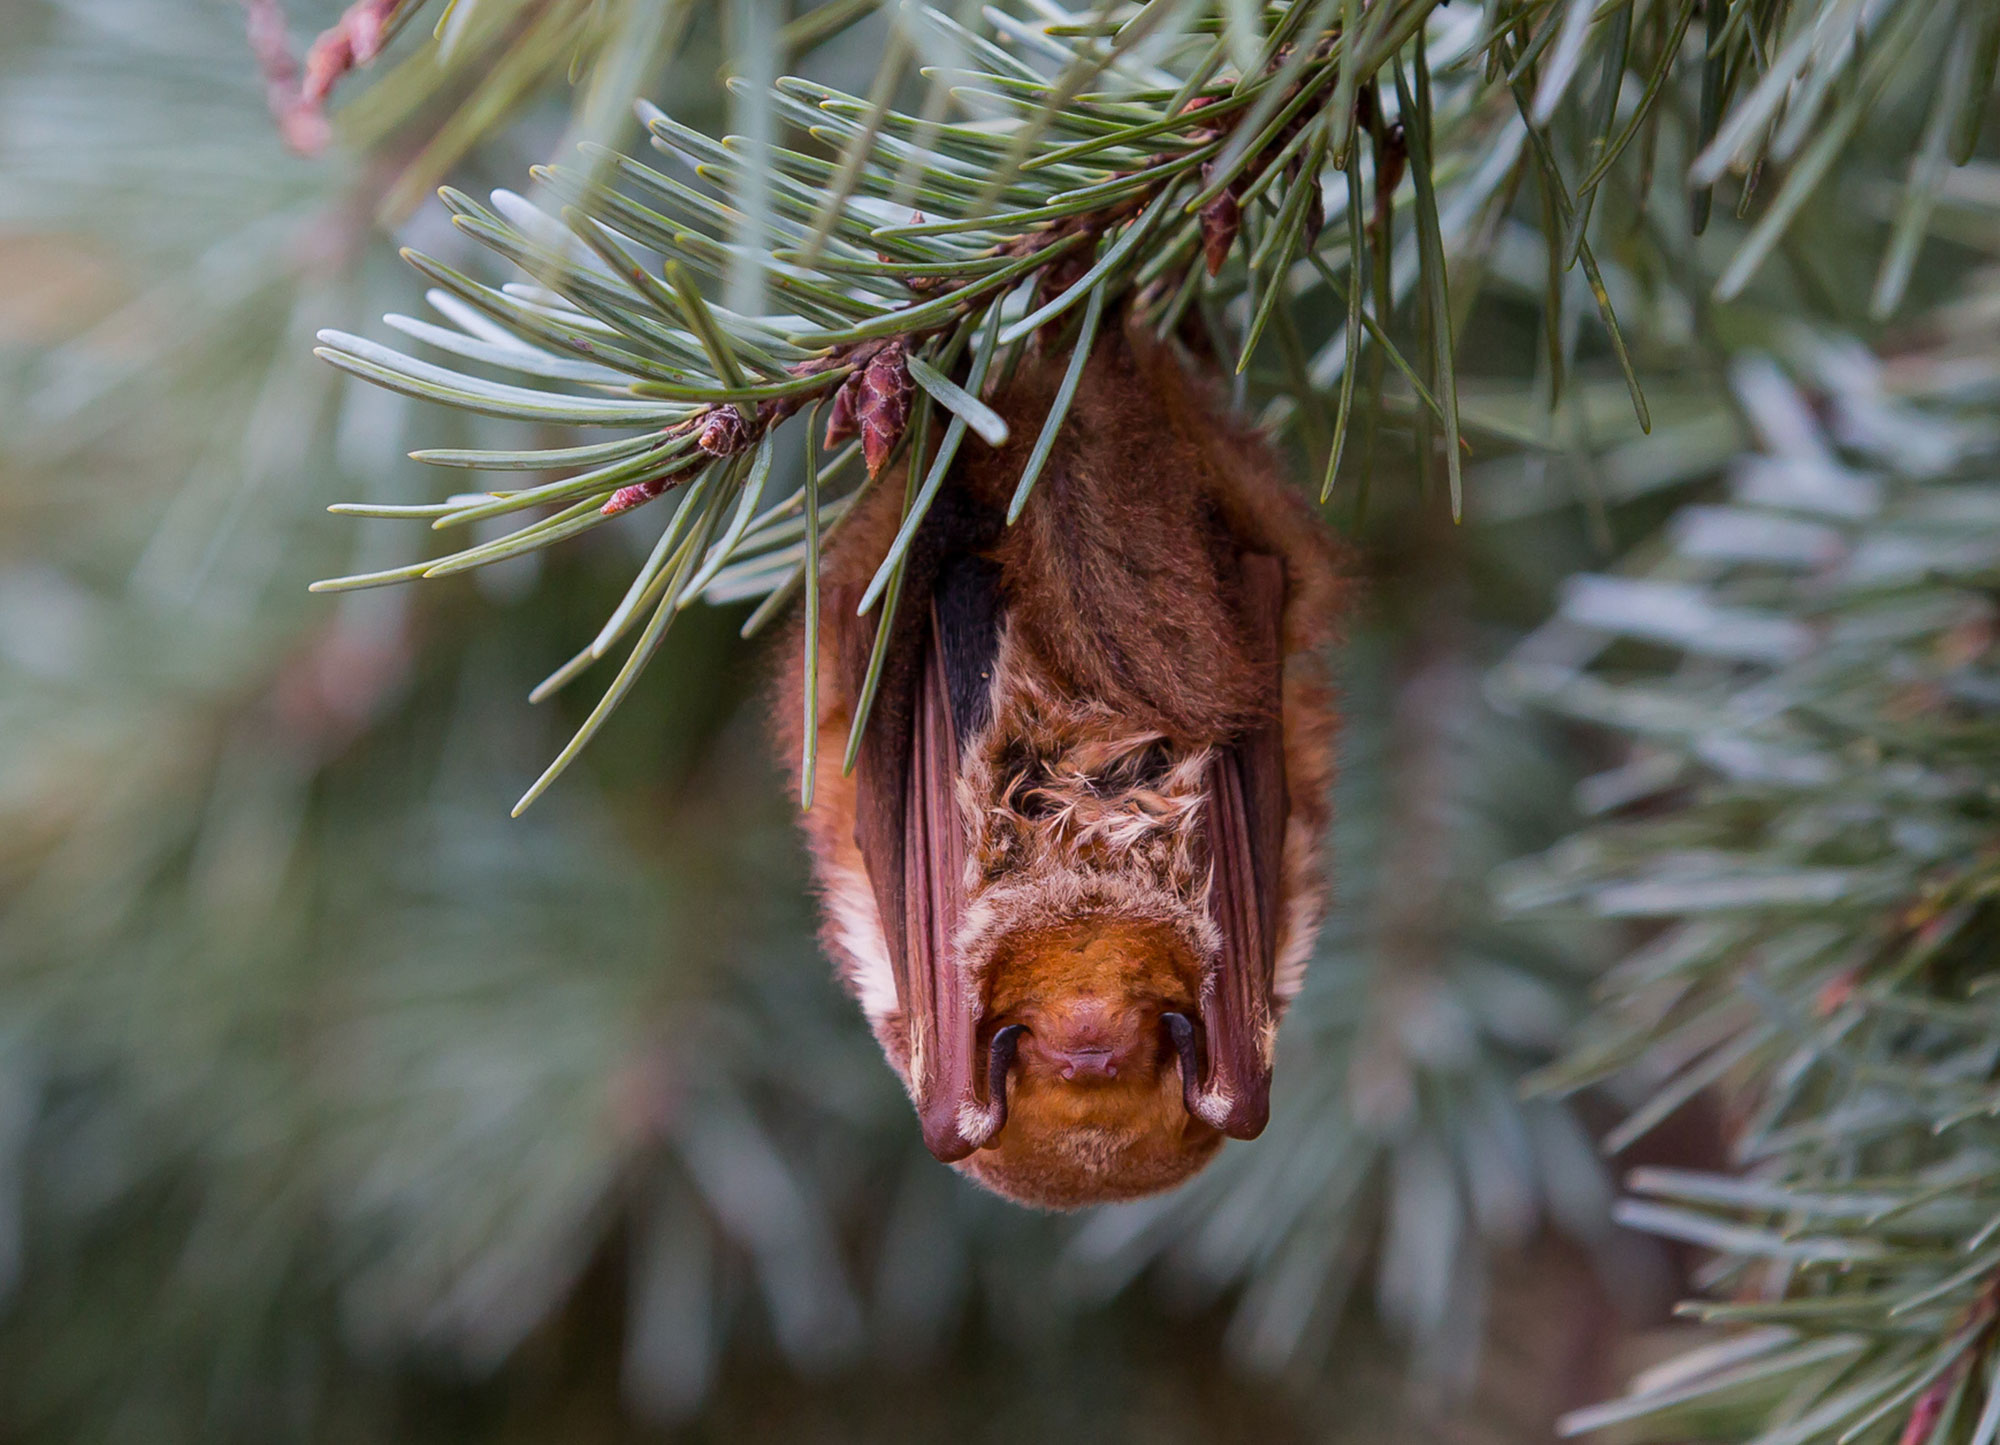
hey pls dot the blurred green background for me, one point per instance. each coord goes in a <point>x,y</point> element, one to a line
<point>334,1105</point>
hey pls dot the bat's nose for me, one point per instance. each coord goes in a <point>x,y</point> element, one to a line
<point>1087,1061</point>
<point>1087,1039</point>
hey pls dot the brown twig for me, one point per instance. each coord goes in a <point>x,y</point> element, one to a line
<point>299,105</point>
<point>1983,1315</point>
<point>871,396</point>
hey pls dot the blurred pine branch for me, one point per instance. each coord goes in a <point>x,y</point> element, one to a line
<point>325,1085</point>
<point>1803,832</point>
<point>1292,185</point>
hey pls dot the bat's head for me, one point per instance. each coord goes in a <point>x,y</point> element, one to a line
<point>1095,1108</point>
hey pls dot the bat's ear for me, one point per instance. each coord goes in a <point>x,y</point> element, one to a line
<point>956,1121</point>
<point>1216,1088</point>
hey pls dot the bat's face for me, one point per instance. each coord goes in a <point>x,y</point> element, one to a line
<point>1095,1108</point>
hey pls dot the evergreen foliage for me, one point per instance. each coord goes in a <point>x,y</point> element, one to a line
<point>1804,827</point>
<point>328,1088</point>
<point>1243,171</point>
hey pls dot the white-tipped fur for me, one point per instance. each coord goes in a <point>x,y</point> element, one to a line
<point>1073,813</point>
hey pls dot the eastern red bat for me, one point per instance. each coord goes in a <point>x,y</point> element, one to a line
<point>1075,875</point>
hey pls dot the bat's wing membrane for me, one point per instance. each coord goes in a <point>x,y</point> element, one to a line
<point>1247,807</point>
<point>932,698</point>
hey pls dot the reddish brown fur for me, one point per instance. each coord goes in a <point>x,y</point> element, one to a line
<point>1088,984</point>
<point>1151,491</point>
<point>1084,1135</point>
<point>1129,495</point>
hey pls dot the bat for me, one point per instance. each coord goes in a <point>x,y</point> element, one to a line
<point>1074,876</point>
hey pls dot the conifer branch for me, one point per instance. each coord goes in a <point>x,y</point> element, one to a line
<point>1804,834</point>
<point>1121,157</point>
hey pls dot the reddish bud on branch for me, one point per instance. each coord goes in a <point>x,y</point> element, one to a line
<point>354,40</point>
<point>1221,220</point>
<point>882,406</point>
<point>1392,157</point>
<point>873,402</point>
<point>724,433</point>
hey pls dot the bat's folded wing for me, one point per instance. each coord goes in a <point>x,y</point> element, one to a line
<point>1247,807</point>
<point>931,698</point>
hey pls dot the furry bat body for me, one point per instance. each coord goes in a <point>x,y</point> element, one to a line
<point>1074,879</point>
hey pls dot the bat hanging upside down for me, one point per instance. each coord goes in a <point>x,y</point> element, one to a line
<point>1074,877</point>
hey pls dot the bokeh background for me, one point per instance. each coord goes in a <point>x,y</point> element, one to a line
<point>336,1105</point>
